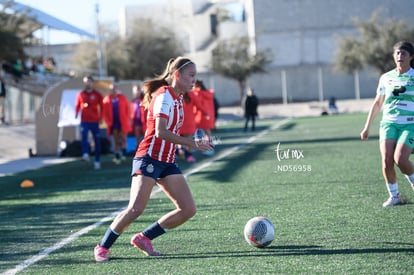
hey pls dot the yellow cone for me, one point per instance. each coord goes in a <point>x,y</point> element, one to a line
<point>26,184</point>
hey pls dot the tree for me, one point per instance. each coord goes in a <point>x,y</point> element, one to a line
<point>11,46</point>
<point>231,58</point>
<point>85,59</point>
<point>149,47</point>
<point>143,53</point>
<point>373,47</point>
<point>13,29</point>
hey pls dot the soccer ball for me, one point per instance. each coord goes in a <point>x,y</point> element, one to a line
<point>259,232</point>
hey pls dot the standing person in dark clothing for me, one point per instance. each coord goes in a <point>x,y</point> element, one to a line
<point>2,98</point>
<point>250,108</point>
<point>216,110</point>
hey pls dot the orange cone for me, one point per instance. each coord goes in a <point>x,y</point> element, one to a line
<point>26,184</point>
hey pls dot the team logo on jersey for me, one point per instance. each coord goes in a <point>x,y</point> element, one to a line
<point>150,168</point>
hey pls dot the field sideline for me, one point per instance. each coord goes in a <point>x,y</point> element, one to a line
<point>320,185</point>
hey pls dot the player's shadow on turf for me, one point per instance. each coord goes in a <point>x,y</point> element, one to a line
<point>290,247</point>
<point>287,126</point>
<point>275,251</point>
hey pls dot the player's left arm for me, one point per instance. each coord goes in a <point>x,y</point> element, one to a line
<point>78,104</point>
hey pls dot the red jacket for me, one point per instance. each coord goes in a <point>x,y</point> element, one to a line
<point>189,125</point>
<point>123,113</point>
<point>205,119</point>
<point>90,103</point>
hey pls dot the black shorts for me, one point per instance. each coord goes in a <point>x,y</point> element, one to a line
<point>152,168</point>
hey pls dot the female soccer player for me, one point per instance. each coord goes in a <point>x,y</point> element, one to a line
<point>395,95</point>
<point>154,160</point>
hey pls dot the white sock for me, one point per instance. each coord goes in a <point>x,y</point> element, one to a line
<point>392,189</point>
<point>410,178</point>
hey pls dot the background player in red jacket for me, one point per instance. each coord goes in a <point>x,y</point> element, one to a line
<point>154,160</point>
<point>138,113</point>
<point>189,127</point>
<point>116,116</point>
<point>89,103</point>
<point>205,118</point>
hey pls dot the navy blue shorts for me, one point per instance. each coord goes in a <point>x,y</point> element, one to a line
<point>152,168</point>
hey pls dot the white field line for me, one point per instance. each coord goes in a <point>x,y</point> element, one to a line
<point>44,253</point>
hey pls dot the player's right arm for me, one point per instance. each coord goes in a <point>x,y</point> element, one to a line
<point>373,111</point>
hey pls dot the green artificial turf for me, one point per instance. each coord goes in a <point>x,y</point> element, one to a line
<point>312,177</point>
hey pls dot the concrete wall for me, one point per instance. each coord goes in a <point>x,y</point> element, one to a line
<point>20,106</point>
<point>305,31</point>
<point>302,84</point>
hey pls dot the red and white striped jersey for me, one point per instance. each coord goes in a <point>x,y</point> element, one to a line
<point>167,105</point>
